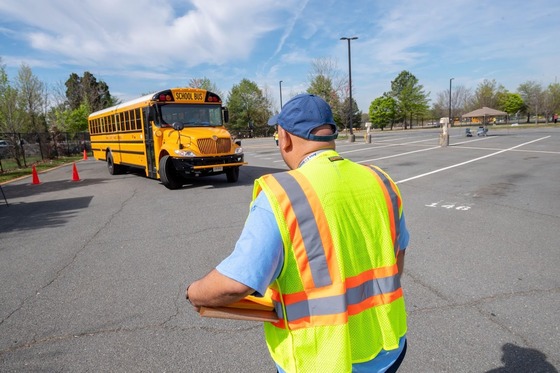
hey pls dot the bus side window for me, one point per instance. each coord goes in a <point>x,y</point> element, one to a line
<point>138,119</point>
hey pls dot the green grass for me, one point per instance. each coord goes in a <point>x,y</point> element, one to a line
<point>12,172</point>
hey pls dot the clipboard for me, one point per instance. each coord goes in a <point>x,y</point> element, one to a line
<point>250,308</point>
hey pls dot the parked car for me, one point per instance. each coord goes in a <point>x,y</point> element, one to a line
<point>4,148</point>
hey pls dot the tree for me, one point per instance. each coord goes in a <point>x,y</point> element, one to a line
<point>12,114</point>
<point>268,94</point>
<point>486,94</point>
<point>365,118</point>
<point>325,82</point>
<point>356,114</point>
<point>410,96</point>
<point>207,84</point>
<point>460,99</point>
<point>440,108</point>
<point>322,86</point>
<point>249,109</point>
<point>84,95</point>
<point>382,111</point>
<point>33,93</point>
<point>75,120</point>
<point>532,95</point>
<point>552,95</point>
<point>74,94</point>
<point>328,69</point>
<point>88,90</point>
<point>511,103</point>
<point>4,85</point>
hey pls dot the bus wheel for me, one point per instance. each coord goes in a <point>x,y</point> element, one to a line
<point>114,169</point>
<point>232,174</point>
<point>168,174</point>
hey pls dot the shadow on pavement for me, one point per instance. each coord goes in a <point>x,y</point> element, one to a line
<point>247,176</point>
<point>519,359</point>
<point>27,189</point>
<point>24,216</point>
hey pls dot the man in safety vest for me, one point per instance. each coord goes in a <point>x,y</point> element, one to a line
<point>327,239</point>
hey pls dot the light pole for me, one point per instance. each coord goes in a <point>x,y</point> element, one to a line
<point>280,83</point>
<point>450,100</point>
<point>352,138</point>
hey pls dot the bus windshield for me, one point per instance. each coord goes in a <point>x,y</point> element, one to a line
<point>191,115</point>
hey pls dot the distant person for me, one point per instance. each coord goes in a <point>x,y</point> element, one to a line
<point>328,239</point>
<point>276,137</point>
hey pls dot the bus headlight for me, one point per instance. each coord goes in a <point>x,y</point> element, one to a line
<point>239,150</point>
<point>184,153</point>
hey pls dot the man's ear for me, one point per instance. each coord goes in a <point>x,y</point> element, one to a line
<point>286,142</point>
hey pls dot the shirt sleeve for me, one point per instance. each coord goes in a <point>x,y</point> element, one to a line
<point>258,255</point>
<point>403,234</point>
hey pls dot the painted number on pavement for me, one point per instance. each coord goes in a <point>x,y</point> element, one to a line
<point>449,206</point>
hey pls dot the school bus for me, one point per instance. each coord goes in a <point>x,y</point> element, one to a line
<point>171,135</point>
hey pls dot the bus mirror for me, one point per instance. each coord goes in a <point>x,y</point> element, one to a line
<point>226,114</point>
<point>178,126</point>
<point>238,142</point>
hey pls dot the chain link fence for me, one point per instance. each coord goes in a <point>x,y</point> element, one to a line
<point>19,150</point>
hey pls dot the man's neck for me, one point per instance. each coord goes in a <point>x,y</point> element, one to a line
<point>312,154</point>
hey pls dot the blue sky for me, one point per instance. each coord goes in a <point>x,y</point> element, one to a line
<point>141,46</point>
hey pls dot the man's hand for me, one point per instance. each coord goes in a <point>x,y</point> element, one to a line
<point>197,309</point>
<point>400,261</point>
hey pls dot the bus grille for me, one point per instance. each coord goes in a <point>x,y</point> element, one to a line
<point>210,146</point>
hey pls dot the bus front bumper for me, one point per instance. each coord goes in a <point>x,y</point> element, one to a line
<point>207,165</point>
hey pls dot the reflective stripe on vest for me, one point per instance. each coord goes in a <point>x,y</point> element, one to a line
<point>314,248</point>
<point>321,302</point>
<point>393,204</point>
<point>370,293</point>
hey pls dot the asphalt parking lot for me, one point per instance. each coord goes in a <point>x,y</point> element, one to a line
<point>93,272</point>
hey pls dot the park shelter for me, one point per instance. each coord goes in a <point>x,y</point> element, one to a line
<point>484,113</point>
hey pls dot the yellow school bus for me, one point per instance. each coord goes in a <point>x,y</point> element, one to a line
<point>172,135</point>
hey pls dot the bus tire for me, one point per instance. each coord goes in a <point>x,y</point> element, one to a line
<point>114,169</point>
<point>169,177</point>
<point>232,174</point>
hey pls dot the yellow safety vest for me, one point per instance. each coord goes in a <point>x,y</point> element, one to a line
<point>336,306</point>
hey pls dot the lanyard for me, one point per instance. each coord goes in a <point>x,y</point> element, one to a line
<point>312,155</point>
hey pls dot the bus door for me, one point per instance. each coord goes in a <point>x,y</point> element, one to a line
<point>149,141</point>
<point>116,135</point>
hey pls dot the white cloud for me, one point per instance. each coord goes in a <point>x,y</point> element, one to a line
<point>133,31</point>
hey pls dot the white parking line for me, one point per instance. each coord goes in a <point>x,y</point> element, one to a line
<point>515,150</point>
<point>411,152</point>
<point>385,146</point>
<point>469,161</point>
<point>390,145</point>
<point>473,140</point>
<point>400,154</point>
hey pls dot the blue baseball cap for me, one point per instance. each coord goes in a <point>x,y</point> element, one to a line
<point>302,114</point>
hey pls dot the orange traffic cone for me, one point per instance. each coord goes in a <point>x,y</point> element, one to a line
<point>75,176</point>
<point>85,155</point>
<point>35,176</point>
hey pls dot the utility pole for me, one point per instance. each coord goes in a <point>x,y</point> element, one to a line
<point>352,138</point>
